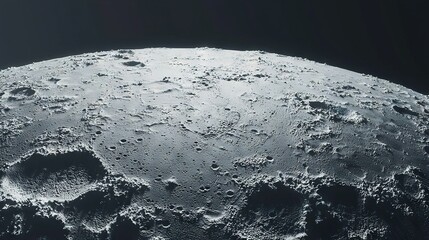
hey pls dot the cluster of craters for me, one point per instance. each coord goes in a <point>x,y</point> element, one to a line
<point>267,207</point>
<point>61,188</point>
<point>321,207</point>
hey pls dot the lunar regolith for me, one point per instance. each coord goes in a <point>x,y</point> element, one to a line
<point>209,144</point>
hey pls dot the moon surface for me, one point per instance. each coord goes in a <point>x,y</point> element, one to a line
<point>209,144</point>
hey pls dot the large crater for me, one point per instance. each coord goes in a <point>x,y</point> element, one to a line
<point>55,176</point>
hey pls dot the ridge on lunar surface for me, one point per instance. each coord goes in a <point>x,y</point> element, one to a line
<point>209,144</point>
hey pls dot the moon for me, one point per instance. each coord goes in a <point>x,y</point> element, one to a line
<point>209,144</point>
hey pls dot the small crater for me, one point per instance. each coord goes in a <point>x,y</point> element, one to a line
<point>213,215</point>
<point>54,80</point>
<point>272,214</point>
<point>408,183</point>
<point>164,223</point>
<point>204,189</point>
<point>121,56</point>
<point>26,91</point>
<point>21,93</point>
<point>229,193</point>
<point>404,110</point>
<point>260,75</point>
<point>125,51</point>
<point>133,64</point>
<point>318,105</point>
<point>215,166</point>
<point>348,87</point>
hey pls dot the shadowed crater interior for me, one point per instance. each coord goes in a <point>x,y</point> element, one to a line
<point>23,91</point>
<point>61,176</point>
<point>344,195</point>
<point>275,208</point>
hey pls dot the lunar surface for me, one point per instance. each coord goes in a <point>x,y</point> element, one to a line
<point>209,144</point>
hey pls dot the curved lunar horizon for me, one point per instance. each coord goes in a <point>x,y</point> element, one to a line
<point>209,144</point>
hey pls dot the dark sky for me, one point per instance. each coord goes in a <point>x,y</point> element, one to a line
<point>387,39</point>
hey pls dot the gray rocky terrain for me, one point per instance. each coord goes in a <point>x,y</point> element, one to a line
<point>209,144</point>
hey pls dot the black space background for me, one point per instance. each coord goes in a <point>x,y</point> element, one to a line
<point>387,39</point>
